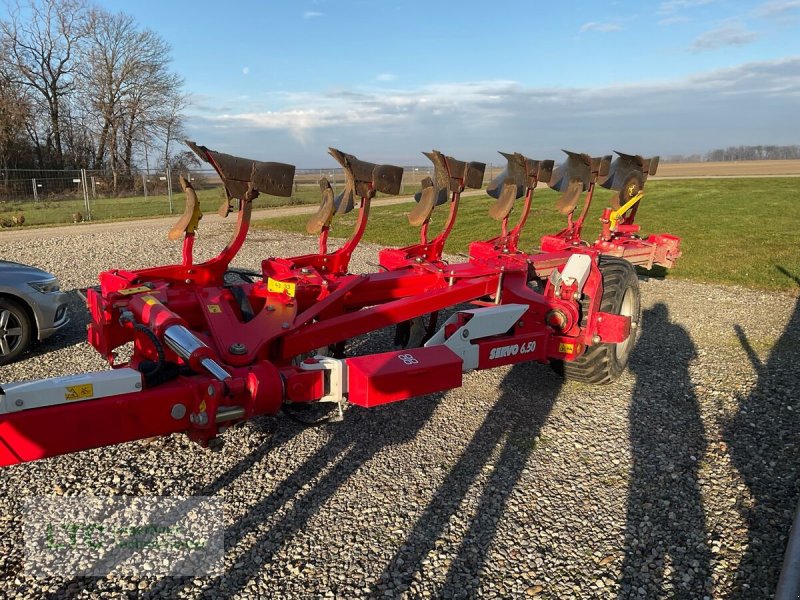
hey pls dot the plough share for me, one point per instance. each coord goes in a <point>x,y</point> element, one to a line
<point>209,352</point>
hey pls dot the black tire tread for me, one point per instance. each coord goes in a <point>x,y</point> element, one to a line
<point>598,365</point>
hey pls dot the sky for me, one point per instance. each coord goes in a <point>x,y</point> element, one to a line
<point>386,79</point>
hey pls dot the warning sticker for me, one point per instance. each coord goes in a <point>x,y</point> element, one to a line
<point>133,290</point>
<point>150,300</point>
<point>566,348</point>
<point>78,392</point>
<point>213,308</point>
<point>281,287</point>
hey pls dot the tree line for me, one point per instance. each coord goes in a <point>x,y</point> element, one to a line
<point>82,87</point>
<point>741,153</point>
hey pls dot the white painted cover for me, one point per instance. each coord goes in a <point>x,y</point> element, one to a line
<point>25,395</point>
<point>485,322</point>
<point>577,269</point>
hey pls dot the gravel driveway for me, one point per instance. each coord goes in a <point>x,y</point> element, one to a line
<point>679,481</point>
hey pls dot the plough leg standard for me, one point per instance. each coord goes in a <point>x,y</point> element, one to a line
<point>209,353</point>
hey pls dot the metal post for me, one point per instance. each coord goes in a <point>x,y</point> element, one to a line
<point>169,188</point>
<point>35,191</point>
<point>85,187</point>
<point>94,189</point>
<point>144,184</point>
<point>789,582</point>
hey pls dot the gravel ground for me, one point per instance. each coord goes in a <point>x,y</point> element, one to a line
<point>680,480</point>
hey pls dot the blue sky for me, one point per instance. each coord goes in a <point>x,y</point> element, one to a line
<point>386,79</point>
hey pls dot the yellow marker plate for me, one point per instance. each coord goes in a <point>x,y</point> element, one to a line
<point>281,287</point>
<point>150,300</point>
<point>566,348</point>
<point>136,290</point>
<point>78,392</point>
<point>213,308</point>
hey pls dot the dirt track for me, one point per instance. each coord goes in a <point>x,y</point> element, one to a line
<point>744,168</point>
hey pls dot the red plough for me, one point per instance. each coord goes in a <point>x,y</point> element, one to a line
<point>620,235</point>
<point>209,353</point>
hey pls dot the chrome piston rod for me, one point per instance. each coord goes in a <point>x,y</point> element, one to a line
<point>184,343</point>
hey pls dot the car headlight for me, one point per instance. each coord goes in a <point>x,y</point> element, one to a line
<point>47,286</point>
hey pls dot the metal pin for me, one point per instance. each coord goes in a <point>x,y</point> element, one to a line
<point>499,285</point>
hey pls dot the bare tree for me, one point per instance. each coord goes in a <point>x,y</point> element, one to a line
<point>170,123</point>
<point>14,113</point>
<point>43,48</point>
<point>86,86</point>
<point>127,83</point>
<point>769,152</point>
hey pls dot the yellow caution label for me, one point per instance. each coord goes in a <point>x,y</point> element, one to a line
<point>566,348</point>
<point>78,392</point>
<point>135,290</point>
<point>150,300</point>
<point>281,287</point>
<point>214,308</point>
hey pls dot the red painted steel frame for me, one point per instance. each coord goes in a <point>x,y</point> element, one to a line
<point>426,251</point>
<point>622,241</point>
<point>327,263</point>
<point>507,243</point>
<point>303,304</point>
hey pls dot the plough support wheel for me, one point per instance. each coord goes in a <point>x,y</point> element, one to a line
<point>604,363</point>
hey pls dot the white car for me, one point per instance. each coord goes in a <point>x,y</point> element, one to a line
<point>32,307</point>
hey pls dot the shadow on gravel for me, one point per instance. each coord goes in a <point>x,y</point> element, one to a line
<point>666,552</point>
<point>763,440</point>
<point>354,442</point>
<point>528,394</point>
<point>277,436</point>
<point>295,500</point>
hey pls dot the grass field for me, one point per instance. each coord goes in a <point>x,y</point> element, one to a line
<point>56,212</point>
<point>735,231</point>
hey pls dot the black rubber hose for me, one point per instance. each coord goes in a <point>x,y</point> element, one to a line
<point>156,344</point>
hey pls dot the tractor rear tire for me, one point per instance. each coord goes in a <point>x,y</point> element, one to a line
<point>604,363</point>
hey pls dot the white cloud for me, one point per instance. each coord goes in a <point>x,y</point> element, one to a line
<point>601,27</point>
<point>777,8</point>
<point>751,103</point>
<point>730,33</point>
<point>245,70</point>
<point>312,14</point>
